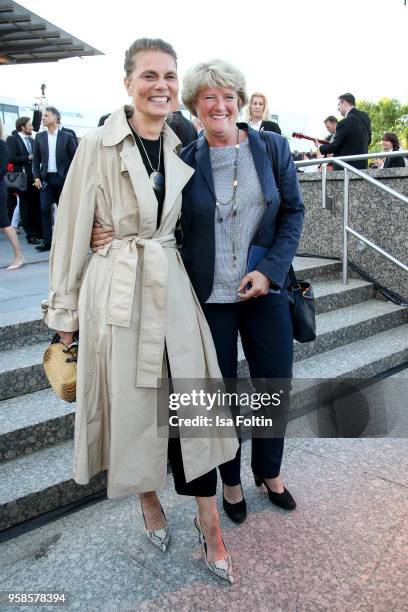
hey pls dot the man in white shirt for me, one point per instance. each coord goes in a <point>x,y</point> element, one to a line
<point>53,152</point>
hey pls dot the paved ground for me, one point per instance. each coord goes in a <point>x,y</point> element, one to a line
<point>26,287</point>
<point>345,548</point>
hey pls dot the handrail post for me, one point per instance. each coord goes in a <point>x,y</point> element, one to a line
<point>324,181</point>
<point>345,224</point>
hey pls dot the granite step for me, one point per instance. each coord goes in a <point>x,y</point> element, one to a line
<point>21,370</point>
<point>22,327</point>
<point>346,325</point>
<point>31,422</point>
<point>332,294</point>
<point>361,359</point>
<point>357,362</point>
<point>311,268</point>
<point>41,482</point>
<point>38,420</point>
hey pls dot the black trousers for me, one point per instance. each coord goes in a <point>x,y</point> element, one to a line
<point>265,327</point>
<point>49,195</point>
<point>30,211</point>
<point>204,486</point>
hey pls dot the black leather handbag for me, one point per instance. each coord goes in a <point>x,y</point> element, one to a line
<point>302,307</point>
<point>300,292</point>
<point>16,180</point>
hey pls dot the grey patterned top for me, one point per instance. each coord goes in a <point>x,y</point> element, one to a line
<point>250,207</point>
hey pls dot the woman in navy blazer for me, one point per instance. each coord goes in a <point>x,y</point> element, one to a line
<point>239,204</point>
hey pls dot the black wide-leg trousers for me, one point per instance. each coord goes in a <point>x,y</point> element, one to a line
<point>265,327</point>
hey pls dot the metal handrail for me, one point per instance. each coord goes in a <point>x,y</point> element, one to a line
<point>340,161</point>
<point>329,160</point>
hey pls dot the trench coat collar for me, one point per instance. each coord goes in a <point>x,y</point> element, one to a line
<point>116,128</point>
<point>178,173</point>
<point>258,150</point>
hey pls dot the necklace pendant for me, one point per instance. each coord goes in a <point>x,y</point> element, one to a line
<point>157,181</point>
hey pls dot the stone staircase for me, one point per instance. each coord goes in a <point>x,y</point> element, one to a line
<point>359,335</point>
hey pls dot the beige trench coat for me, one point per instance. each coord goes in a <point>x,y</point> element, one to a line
<point>129,301</point>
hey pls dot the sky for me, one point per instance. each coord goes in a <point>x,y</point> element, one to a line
<point>301,53</point>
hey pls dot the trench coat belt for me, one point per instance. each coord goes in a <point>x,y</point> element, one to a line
<point>152,326</point>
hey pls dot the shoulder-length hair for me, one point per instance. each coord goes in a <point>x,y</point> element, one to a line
<point>215,73</point>
<point>265,114</point>
<point>393,138</point>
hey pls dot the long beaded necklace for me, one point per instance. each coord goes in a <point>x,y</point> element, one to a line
<point>233,200</point>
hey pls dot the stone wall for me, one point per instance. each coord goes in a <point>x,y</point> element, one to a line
<point>376,215</point>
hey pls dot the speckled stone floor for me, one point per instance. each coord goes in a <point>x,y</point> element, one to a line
<point>345,547</point>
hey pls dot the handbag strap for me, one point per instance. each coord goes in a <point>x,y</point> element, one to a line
<point>292,277</point>
<point>272,157</point>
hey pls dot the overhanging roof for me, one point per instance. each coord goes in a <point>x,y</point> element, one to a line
<point>26,38</point>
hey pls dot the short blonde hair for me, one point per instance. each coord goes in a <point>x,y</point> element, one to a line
<point>215,73</point>
<point>258,94</point>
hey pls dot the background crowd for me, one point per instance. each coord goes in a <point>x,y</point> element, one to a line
<point>44,161</point>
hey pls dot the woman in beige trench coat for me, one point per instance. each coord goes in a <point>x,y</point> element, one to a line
<point>133,302</point>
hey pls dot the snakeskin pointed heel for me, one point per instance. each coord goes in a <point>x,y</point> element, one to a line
<point>159,537</point>
<point>221,568</point>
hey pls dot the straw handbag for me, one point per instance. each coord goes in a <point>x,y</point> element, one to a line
<point>60,365</point>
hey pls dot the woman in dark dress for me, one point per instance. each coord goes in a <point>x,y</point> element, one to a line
<point>5,225</point>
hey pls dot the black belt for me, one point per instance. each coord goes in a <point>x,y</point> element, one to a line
<point>52,173</point>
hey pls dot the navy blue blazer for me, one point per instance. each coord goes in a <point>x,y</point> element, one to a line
<point>65,151</point>
<point>280,227</point>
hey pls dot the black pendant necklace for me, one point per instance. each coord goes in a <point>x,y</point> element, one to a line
<point>156,177</point>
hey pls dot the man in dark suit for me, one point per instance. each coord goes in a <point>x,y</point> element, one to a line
<point>182,127</point>
<point>53,152</point>
<point>353,133</point>
<point>69,131</point>
<point>20,151</point>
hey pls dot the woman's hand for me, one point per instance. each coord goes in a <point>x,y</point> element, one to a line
<point>259,285</point>
<point>66,338</point>
<point>100,237</point>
